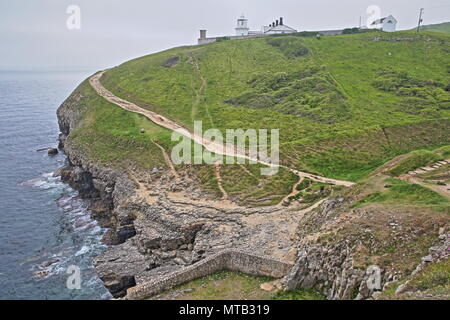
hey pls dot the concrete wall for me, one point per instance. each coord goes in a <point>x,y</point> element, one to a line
<point>206,40</point>
<point>233,260</point>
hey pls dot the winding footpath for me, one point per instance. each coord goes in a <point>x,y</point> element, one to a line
<point>208,145</point>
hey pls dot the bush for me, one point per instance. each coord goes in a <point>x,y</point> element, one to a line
<point>291,47</point>
<point>443,151</point>
<point>304,184</point>
<point>350,31</point>
<point>309,92</point>
<point>424,97</point>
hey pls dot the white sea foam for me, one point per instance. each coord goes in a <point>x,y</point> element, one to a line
<point>85,229</point>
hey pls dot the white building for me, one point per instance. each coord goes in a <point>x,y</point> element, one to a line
<point>243,31</point>
<point>388,24</point>
<point>277,27</point>
<point>242,28</point>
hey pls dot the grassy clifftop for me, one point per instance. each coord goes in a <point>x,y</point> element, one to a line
<point>343,104</point>
<point>440,27</point>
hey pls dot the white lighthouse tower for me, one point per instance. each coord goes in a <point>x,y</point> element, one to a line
<point>242,27</point>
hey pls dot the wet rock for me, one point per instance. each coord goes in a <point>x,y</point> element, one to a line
<point>125,233</point>
<point>118,285</point>
<point>52,151</point>
<point>48,263</point>
<point>101,212</point>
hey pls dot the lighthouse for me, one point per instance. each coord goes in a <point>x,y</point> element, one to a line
<point>242,26</point>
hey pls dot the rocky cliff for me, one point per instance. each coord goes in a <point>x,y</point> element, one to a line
<point>159,223</point>
<point>356,253</point>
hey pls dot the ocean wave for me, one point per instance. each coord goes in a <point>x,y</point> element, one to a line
<point>78,246</point>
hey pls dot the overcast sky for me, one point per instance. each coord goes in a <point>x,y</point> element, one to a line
<point>34,34</point>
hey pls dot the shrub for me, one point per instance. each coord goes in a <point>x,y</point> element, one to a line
<point>309,92</point>
<point>304,184</point>
<point>291,47</point>
<point>350,31</point>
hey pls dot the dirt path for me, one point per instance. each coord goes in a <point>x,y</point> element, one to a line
<point>168,160</point>
<point>198,92</point>
<point>208,145</point>
<point>219,181</point>
<point>294,190</point>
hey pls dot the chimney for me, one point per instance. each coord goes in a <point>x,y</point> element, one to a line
<point>202,34</point>
<point>277,22</point>
<point>281,21</point>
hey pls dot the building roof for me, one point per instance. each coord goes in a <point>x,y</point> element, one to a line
<point>380,21</point>
<point>281,27</point>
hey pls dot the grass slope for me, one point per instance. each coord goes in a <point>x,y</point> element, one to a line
<point>111,135</point>
<point>343,104</point>
<point>440,27</point>
<point>228,285</point>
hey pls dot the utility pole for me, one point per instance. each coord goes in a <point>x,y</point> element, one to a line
<point>420,19</point>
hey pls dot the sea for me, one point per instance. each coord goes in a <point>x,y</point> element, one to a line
<point>47,237</point>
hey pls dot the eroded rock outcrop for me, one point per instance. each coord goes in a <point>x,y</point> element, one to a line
<point>159,224</point>
<point>356,253</point>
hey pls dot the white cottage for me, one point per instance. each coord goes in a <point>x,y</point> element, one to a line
<point>243,31</point>
<point>278,27</point>
<point>388,24</point>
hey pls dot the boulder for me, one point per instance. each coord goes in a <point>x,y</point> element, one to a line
<point>291,255</point>
<point>52,151</point>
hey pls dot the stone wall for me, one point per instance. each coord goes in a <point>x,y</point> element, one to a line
<point>233,260</point>
<point>214,39</point>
